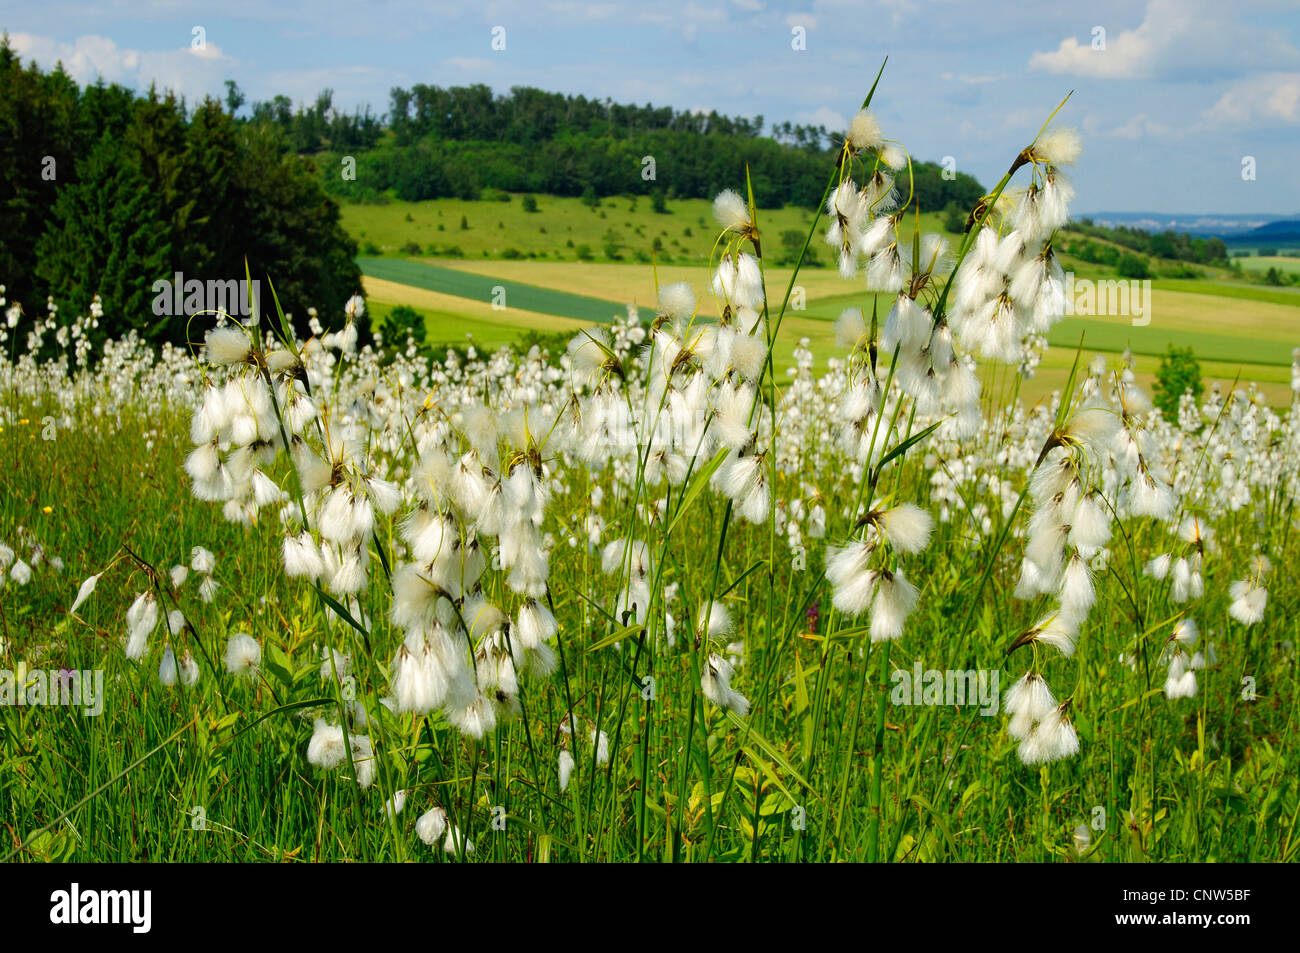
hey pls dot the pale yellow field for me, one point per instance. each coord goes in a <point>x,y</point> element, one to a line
<point>635,282</point>
<point>1170,310</point>
<point>510,319</point>
<point>1188,311</point>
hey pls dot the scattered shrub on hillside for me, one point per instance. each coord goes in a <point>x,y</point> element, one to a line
<point>1179,373</point>
<point>404,322</point>
<point>1132,267</point>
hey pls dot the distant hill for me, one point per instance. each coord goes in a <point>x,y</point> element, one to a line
<point>1194,223</point>
<point>1286,231</point>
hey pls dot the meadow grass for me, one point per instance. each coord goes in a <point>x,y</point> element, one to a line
<point>1208,779</point>
<point>497,226</point>
<point>816,757</point>
<point>1289,264</point>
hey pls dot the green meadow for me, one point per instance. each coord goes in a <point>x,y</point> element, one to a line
<point>537,264</point>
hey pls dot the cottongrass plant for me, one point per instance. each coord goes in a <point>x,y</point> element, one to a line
<point>574,585</point>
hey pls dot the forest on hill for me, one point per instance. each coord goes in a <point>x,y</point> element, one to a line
<point>105,191</point>
<point>436,142</point>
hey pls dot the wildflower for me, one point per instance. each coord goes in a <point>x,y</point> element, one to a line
<point>895,599</point>
<point>141,620</point>
<point>363,758</point>
<point>677,301</point>
<point>243,654</point>
<point>455,840</point>
<point>1028,701</point>
<point>1058,629</point>
<point>1185,633</point>
<point>731,211</point>
<point>393,806</point>
<point>431,825</point>
<point>1181,680</point>
<point>1059,145</point>
<point>864,132</point>
<point>202,560</point>
<point>84,592</point>
<point>853,583</point>
<point>907,527</point>
<point>326,748</point>
<point>189,670</point>
<point>716,685</point>
<point>1051,739</point>
<point>227,345</point>
<point>714,620</point>
<point>1248,601</point>
<point>208,589</point>
<point>600,745</point>
<point>167,672</point>
<point>564,767</point>
<point>739,281</point>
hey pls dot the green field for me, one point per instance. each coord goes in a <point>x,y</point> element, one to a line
<point>1238,330</point>
<point>1289,264</point>
<point>496,227</point>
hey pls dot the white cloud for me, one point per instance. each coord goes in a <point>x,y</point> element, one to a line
<point>1187,38</point>
<point>584,11</point>
<point>1140,126</point>
<point>470,64</point>
<point>972,79</point>
<point>189,71</point>
<point>1268,97</point>
<point>825,116</point>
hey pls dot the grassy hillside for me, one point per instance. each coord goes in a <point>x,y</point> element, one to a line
<point>560,227</point>
<point>1238,330</point>
<point>1285,263</point>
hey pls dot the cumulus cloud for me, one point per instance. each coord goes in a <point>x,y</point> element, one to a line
<point>1139,127</point>
<point>1176,38</point>
<point>189,71</point>
<point>1269,97</point>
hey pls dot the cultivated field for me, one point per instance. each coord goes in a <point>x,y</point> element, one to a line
<point>1238,331</point>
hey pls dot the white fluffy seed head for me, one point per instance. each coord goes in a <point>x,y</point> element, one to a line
<point>677,301</point>
<point>864,131</point>
<point>1059,145</point>
<point>243,654</point>
<point>731,211</point>
<point>227,345</point>
<point>907,527</point>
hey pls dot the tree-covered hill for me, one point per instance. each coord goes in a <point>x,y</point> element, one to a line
<point>458,141</point>
<point>103,191</point>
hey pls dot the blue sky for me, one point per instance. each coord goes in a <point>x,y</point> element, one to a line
<point>1183,91</point>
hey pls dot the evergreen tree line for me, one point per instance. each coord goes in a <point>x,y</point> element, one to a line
<point>103,191</point>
